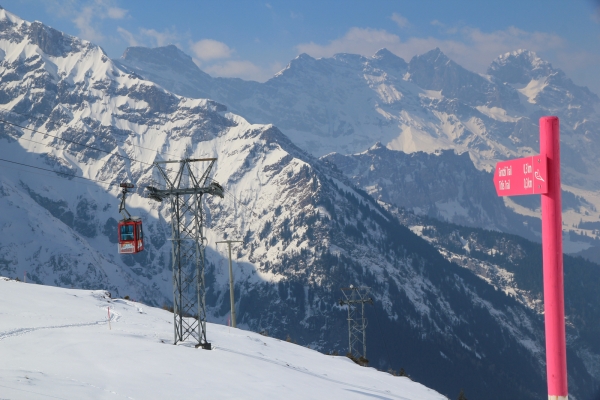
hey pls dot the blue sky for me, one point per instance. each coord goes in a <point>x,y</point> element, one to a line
<point>255,39</point>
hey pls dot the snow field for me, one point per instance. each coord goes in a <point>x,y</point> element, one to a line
<point>56,343</point>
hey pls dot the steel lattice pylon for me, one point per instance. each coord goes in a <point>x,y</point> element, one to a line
<point>355,299</point>
<point>185,191</point>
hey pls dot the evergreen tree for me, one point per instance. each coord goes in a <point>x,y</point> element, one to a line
<point>461,395</point>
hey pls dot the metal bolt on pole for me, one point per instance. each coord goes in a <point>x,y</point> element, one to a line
<point>231,287</point>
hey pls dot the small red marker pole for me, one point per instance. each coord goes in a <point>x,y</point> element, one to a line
<point>552,253</point>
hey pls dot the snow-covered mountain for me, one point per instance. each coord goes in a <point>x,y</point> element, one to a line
<point>60,343</point>
<point>443,185</point>
<point>347,103</point>
<point>448,187</point>
<point>307,230</point>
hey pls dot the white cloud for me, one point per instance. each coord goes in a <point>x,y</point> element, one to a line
<point>471,47</point>
<point>128,36</point>
<point>444,28</point>
<point>87,15</point>
<point>401,21</point>
<point>208,49</point>
<point>479,48</point>
<point>237,69</point>
<point>356,40</point>
<point>116,13</point>
<point>214,58</point>
<point>107,9</point>
<point>276,67</point>
<point>158,39</point>
<point>89,30</point>
<point>149,37</point>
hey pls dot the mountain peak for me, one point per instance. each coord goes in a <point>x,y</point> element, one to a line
<point>386,58</point>
<point>8,16</point>
<point>436,56</point>
<point>48,39</point>
<point>297,64</point>
<point>303,57</point>
<point>432,66</point>
<point>522,54</point>
<point>383,52</point>
<point>165,55</point>
<point>520,66</point>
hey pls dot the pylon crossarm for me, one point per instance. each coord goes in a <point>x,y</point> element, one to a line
<point>206,173</point>
<point>164,175</point>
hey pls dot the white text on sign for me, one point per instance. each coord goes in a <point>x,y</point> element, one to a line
<point>506,171</point>
<point>505,184</point>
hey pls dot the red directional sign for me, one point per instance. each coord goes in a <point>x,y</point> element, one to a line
<point>522,176</point>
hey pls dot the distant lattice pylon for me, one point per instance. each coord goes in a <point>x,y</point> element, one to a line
<point>355,299</point>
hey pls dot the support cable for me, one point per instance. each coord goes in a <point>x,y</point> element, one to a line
<point>122,141</point>
<point>60,173</point>
<point>103,151</point>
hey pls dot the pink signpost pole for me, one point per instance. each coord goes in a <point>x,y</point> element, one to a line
<point>540,174</point>
<point>554,303</point>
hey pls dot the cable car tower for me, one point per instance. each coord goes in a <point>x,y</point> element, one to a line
<point>356,297</point>
<point>185,191</point>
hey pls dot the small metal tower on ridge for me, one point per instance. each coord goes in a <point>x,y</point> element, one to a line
<point>185,191</point>
<point>231,287</point>
<point>355,299</point>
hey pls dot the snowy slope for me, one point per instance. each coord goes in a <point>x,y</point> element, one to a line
<point>57,343</point>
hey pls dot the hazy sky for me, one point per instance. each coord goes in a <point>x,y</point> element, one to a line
<point>255,39</point>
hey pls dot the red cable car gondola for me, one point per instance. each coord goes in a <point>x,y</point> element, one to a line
<point>131,234</point>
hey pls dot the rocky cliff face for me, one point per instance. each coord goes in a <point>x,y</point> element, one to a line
<point>307,230</point>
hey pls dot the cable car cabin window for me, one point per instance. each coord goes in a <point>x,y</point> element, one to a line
<point>140,235</point>
<point>127,232</point>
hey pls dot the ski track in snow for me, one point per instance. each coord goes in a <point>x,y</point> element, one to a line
<point>23,331</point>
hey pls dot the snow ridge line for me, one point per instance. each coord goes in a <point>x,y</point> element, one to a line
<point>286,365</point>
<point>23,331</point>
